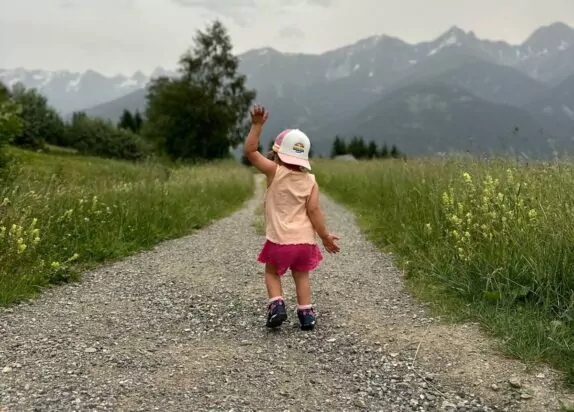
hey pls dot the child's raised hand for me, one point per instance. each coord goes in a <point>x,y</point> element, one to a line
<point>329,243</point>
<point>258,114</point>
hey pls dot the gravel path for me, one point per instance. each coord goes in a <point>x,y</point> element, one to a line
<point>181,328</point>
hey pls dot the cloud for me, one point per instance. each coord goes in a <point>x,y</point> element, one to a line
<point>238,10</point>
<point>323,3</point>
<point>291,32</point>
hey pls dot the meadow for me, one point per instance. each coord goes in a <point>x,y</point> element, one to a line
<point>489,241</point>
<point>61,213</point>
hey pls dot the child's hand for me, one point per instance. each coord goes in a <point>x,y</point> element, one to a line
<point>259,115</point>
<point>329,243</point>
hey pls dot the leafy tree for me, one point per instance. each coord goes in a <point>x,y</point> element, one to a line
<point>203,113</point>
<point>41,122</point>
<point>384,151</point>
<point>127,121</point>
<point>339,147</point>
<point>101,138</point>
<point>10,121</point>
<point>372,150</point>
<point>357,147</point>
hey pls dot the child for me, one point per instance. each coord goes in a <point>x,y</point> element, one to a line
<point>292,218</point>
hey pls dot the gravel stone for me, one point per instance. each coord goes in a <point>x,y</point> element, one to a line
<point>182,328</point>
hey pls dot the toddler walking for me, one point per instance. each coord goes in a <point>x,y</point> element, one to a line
<point>293,217</point>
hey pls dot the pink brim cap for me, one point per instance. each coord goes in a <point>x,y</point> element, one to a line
<point>295,161</point>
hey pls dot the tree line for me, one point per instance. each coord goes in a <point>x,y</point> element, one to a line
<point>359,149</point>
<point>200,115</point>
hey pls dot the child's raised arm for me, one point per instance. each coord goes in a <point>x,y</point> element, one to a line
<point>258,117</point>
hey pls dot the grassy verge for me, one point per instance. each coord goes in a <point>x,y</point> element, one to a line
<point>60,213</point>
<point>487,241</point>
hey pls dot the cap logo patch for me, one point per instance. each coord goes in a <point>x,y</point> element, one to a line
<point>298,148</point>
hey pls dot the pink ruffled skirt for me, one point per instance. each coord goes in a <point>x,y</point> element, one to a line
<point>298,258</point>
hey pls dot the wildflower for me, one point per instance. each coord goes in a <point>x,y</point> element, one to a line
<point>86,219</point>
<point>5,202</point>
<point>21,246</point>
<point>55,265</point>
<point>75,256</point>
<point>467,178</point>
<point>532,214</point>
<point>509,176</point>
<point>446,199</point>
<point>36,240</point>
<point>428,228</point>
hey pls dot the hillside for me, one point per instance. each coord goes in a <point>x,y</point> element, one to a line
<point>316,92</point>
<point>431,117</point>
<point>554,109</point>
<point>113,110</point>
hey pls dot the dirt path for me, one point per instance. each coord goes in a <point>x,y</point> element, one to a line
<point>181,328</point>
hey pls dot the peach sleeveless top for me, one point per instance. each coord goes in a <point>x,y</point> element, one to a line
<point>286,220</point>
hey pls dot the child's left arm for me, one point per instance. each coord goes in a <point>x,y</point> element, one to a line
<point>258,117</point>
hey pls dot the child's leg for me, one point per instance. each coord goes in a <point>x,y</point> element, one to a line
<point>273,282</point>
<point>305,310</point>
<point>303,287</point>
<point>276,313</point>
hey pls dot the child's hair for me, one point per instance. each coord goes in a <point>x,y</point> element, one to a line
<point>273,156</point>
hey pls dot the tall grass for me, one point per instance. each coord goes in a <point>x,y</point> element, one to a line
<point>60,214</point>
<point>491,241</point>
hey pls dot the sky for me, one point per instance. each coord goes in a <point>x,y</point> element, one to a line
<point>122,36</point>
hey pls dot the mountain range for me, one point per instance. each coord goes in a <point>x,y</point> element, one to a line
<point>456,92</point>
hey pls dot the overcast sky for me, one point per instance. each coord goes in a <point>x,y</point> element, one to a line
<point>114,36</point>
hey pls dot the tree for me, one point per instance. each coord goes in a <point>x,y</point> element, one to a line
<point>41,122</point>
<point>98,137</point>
<point>138,122</point>
<point>204,112</point>
<point>10,121</point>
<point>357,147</point>
<point>127,121</point>
<point>384,151</point>
<point>395,154</point>
<point>372,150</point>
<point>339,147</point>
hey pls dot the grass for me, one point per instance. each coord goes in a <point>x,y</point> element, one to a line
<point>490,241</point>
<point>60,213</point>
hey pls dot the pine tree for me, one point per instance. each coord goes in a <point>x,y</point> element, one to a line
<point>126,121</point>
<point>372,150</point>
<point>357,147</point>
<point>384,152</point>
<point>339,147</point>
<point>395,154</point>
<point>138,122</point>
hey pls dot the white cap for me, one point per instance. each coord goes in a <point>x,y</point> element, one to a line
<point>292,146</point>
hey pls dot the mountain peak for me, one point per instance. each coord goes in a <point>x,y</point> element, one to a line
<point>549,38</point>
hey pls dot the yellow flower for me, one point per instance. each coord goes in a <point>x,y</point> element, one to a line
<point>5,202</point>
<point>532,214</point>
<point>467,178</point>
<point>21,246</point>
<point>55,265</point>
